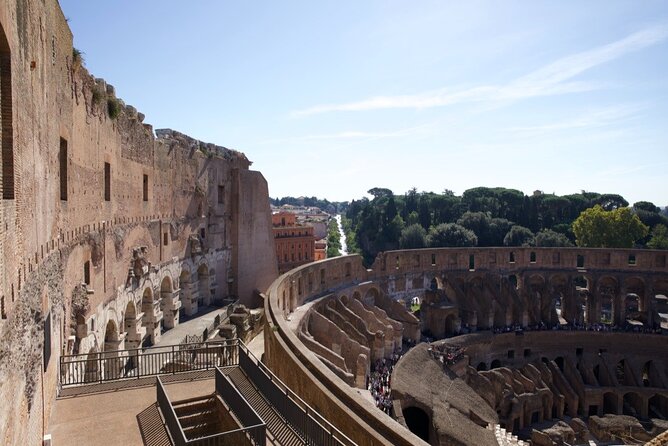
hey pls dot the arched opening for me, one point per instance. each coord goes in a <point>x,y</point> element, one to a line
<point>632,405</point>
<point>481,367</point>
<point>433,285</point>
<point>7,129</point>
<point>112,363</point>
<point>204,289</point>
<point>513,280</point>
<point>620,373</point>
<point>606,309</point>
<point>450,325</point>
<point>610,401</point>
<point>495,364</point>
<point>133,337</point>
<point>658,406</point>
<point>418,422</point>
<point>370,296</point>
<point>559,360</point>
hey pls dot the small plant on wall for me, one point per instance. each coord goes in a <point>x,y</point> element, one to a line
<point>113,107</point>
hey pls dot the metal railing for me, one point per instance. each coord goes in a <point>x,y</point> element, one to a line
<point>254,430</point>
<point>306,422</point>
<point>253,424</point>
<point>138,363</point>
<point>169,415</point>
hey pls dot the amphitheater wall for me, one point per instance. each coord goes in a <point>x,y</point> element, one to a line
<point>88,197</point>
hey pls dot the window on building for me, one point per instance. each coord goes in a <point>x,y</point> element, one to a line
<point>165,239</point>
<point>580,261</point>
<point>46,348</point>
<point>202,232</point>
<point>532,257</point>
<point>87,272</point>
<point>145,187</point>
<point>107,182</point>
<point>632,259</point>
<point>6,127</point>
<point>221,194</point>
<point>62,161</point>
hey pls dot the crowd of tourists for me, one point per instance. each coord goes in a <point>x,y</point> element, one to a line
<point>380,380</point>
<point>627,328</point>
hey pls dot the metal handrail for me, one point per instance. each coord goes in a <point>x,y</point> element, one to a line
<point>335,434</point>
<point>116,365</point>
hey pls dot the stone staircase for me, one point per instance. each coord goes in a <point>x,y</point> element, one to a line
<point>198,417</point>
<point>505,438</point>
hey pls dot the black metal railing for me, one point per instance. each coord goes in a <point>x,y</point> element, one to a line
<point>306,422</point>
<point>169,415</point>
<point>137,363</point>
<point>253,430</point>
<point>253,424</point>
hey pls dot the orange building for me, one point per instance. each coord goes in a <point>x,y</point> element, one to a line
<point>295,243</point>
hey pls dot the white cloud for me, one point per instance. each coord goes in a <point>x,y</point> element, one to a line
<point>552,79</point>
<point>600,117</point>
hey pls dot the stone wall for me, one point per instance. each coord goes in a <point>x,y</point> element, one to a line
<point>92,196</point>
<point>481,287</point>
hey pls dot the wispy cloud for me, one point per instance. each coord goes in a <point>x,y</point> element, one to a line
<point>353,135</point>
<point>553,79</point>
<point>595,118</point>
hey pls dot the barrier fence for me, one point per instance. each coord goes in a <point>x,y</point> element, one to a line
<point>137,363</point>
<point>159,361</point>
<point>309,424</point>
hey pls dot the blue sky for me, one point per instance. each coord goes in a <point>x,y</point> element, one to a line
<point>332,98</point>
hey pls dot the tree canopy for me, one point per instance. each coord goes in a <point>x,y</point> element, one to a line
<point>450,235</point>
<point>617,228</point>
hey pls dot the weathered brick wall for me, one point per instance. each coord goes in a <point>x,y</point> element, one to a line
<point>185,215</point>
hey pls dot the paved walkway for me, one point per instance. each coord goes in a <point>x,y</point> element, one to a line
<point>128,417</point>
<point>256,345</point>
<point>194,326</point>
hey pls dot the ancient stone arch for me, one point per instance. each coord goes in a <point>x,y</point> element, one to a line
<point>169,302</point>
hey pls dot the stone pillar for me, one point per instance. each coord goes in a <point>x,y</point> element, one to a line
<point>378,348</point>
<point>169,305</point>
<point>361,371</point>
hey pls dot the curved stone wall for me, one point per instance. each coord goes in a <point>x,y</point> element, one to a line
<point>469,289</point>
<point>108,230</point>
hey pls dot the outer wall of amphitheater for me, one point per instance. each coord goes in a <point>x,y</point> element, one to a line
<point>606,276</point>
<point>107,232</point>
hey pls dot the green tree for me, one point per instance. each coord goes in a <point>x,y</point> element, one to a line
<point>412,218</point>
<point>451,234</point>
<point>659,238</point>
<point>618,228</point>
<point>519,236</point>
<point>550,238</point>
<point>333,239</point>
<point>413,236</point>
